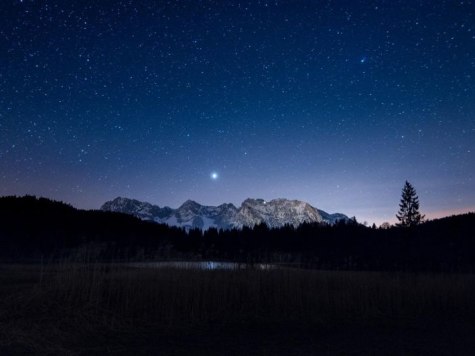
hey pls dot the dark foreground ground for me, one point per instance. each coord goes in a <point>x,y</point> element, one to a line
<point>96,309</point>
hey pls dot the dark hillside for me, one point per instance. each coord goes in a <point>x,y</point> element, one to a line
<point>32,228</point>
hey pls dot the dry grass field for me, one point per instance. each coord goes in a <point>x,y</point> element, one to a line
<point>92,308</point>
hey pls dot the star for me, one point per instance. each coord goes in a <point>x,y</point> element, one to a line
<point>214,176</point>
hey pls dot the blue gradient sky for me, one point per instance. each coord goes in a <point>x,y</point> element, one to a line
<point>333,102</point>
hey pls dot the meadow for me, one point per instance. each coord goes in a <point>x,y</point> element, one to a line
<point>84,308</point>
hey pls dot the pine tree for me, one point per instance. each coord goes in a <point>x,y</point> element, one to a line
<point>409,214</point>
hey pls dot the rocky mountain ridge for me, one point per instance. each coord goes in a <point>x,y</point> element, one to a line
<point>274,213</point>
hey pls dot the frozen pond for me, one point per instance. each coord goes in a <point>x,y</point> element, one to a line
<point>203,265</point>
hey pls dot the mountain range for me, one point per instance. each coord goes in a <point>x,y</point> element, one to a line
<point>190,215</point>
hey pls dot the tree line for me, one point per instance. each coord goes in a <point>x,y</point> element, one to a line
<point>37,228</point>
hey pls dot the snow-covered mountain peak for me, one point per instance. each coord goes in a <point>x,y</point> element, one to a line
<point>274,213</point>
<point>226,206</point>
<point>190,205</point>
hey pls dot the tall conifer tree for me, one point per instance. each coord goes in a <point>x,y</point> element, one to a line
<point>409,214</point>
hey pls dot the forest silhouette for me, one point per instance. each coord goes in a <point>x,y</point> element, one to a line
<point>33,229</point>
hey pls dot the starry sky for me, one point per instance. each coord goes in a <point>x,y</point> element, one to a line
<point>333,102</point>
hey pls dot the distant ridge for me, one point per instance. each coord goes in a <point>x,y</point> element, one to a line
<point>274,213</point>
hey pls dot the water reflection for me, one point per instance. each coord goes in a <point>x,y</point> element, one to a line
<point>203,265</point>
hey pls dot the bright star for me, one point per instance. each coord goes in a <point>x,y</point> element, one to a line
<point>214,175</point>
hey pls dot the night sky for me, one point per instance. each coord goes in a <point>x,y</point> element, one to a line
<point>336,103</point>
